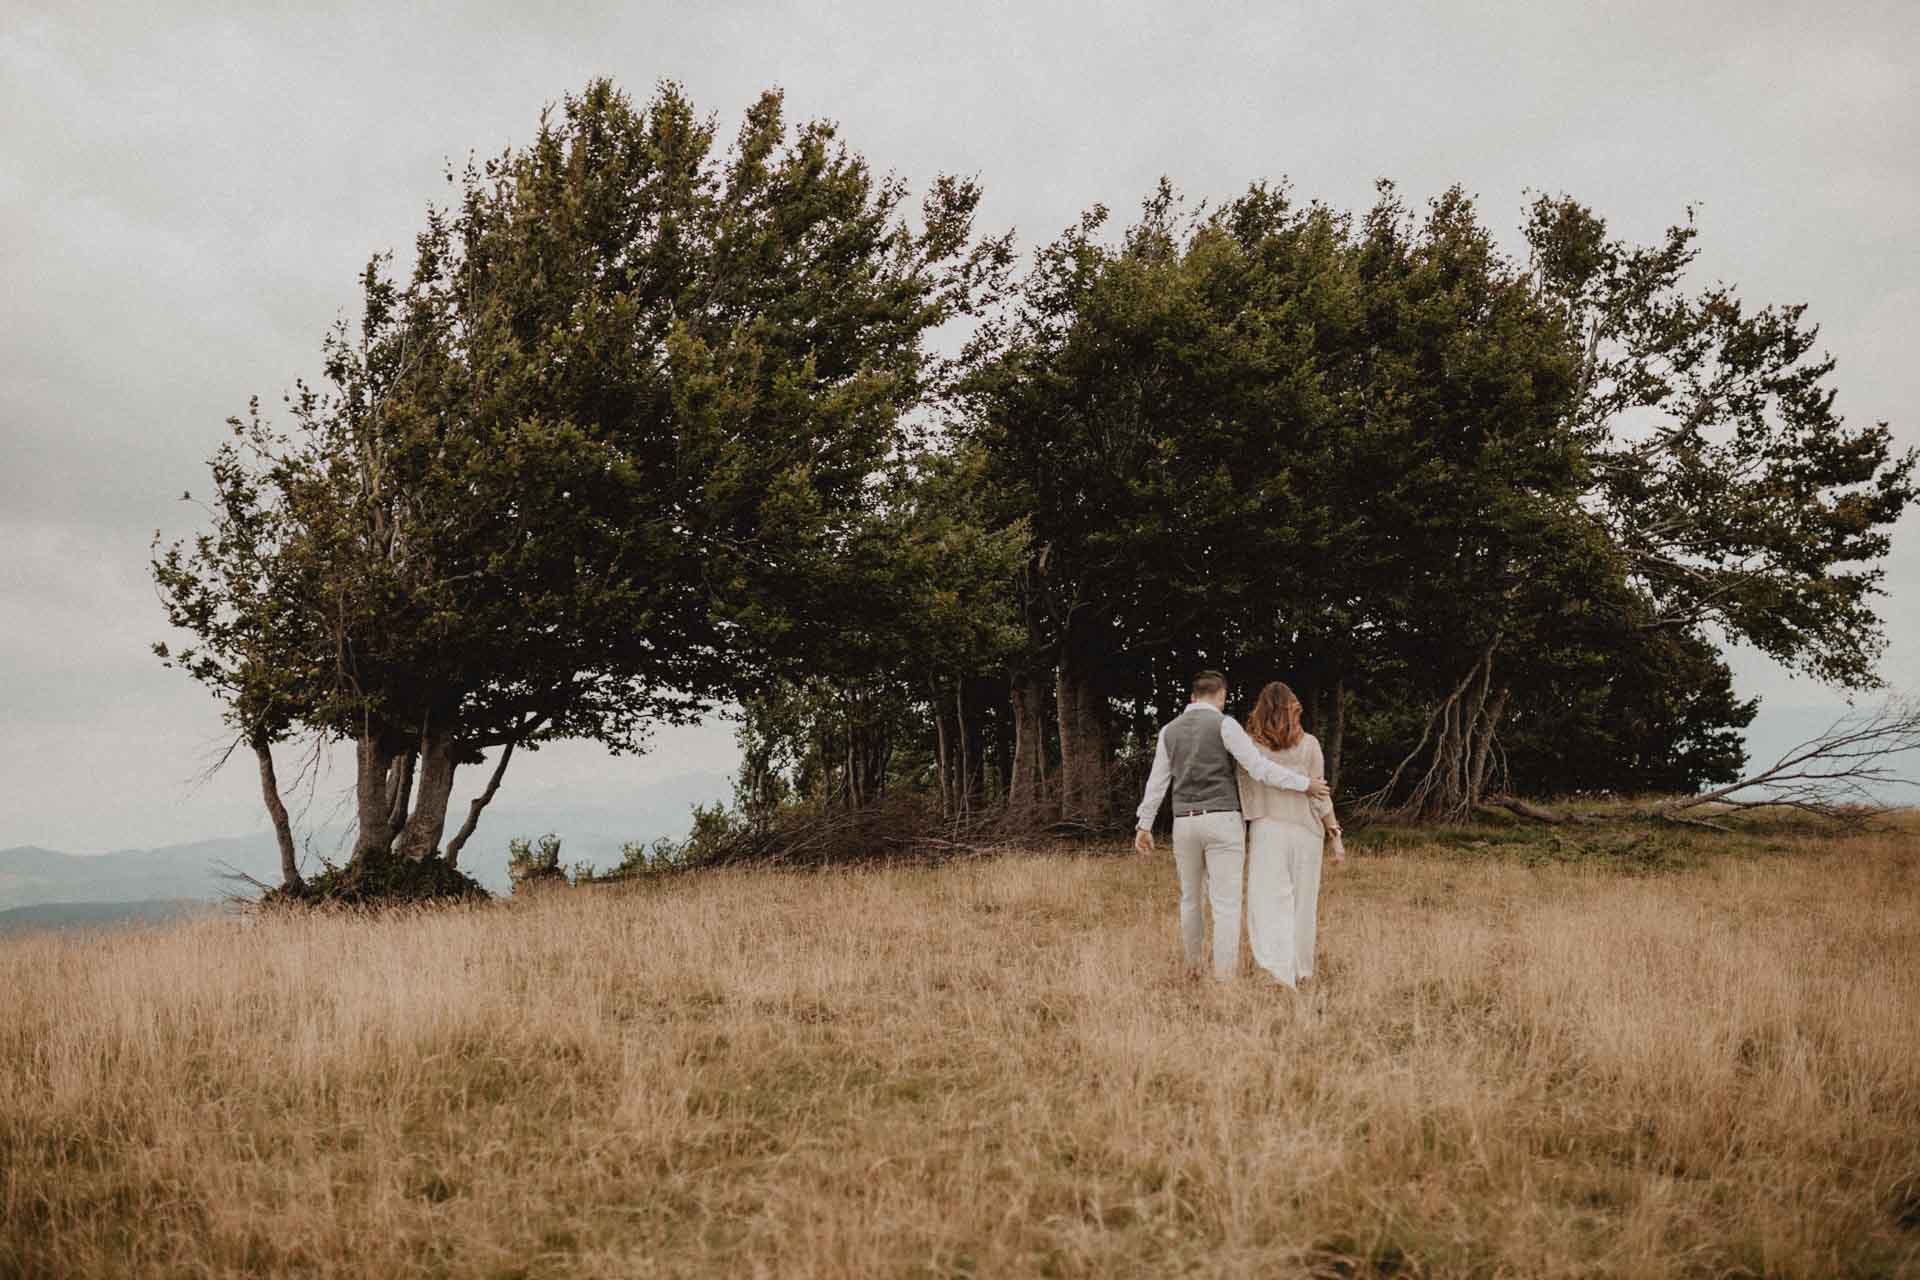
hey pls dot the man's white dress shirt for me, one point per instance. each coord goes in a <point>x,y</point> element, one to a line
<point>1238,745</point>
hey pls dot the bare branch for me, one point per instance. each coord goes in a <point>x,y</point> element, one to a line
<point>1840,775</point>
<point>277,811</point>
<point>481,801</point>
<point>1835,774</point>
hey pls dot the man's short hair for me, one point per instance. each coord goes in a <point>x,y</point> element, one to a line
<point>1208,683</point>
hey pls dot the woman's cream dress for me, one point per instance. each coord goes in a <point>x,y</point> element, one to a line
<point>1284,838</point>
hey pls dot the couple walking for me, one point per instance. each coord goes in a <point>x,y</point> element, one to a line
<point>1249,805</point>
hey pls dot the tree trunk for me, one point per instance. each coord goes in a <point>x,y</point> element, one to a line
<point>1455,773</point>
<point>1027,787</point>
<point>1484,754</point>
<point>760,786</point>
<point>400,790</point>
<point>876,755</point>
<point>1525,810</point>
<point>420,838</point>
<point>478,803</point>
<point>277,810</point>
<point>993,704</point>
<point>868,749</point>
<point>855,798</point>
<point>373,816</point>
<point>963,789</point>
<point>1065,706</point>
<point>1086,747</point>
<point>940,754</point>
<point>1085,754</point>
<point>1336,735</point>
<point>970,747</point>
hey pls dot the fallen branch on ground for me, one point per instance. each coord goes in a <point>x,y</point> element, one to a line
<point>1840,775</point>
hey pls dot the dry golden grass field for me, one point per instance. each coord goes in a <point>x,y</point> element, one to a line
<point>1632,1053</point>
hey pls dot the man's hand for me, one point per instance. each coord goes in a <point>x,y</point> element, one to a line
<point>1142,841</point>
<point>1317,788</point>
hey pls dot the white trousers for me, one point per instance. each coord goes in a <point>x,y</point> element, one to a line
<point>1211,853</point>
<point>1283,897</point>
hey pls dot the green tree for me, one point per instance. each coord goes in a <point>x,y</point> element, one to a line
<point>1462,480</point>
<point>1385,461</point>
<point>1734,492</point>
<point>583,471</point>
<point>1147,403</point>
<point>886,675</point>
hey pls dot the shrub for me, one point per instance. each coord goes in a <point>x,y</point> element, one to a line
<point>380,882</point>
<point>534,862</point>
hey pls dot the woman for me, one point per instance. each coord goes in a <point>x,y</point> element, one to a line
<point>1283,841</point>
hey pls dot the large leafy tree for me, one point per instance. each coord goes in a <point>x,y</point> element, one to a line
<point>1459,492</point>
<point>582,470</point>
<point>1460,478</point>
<point>1136,403</point>
<point>1734,492</point>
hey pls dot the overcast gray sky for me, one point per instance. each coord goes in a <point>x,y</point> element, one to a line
<point>186,192</point>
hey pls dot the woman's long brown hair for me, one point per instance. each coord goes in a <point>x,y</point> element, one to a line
<point>1275,722</point>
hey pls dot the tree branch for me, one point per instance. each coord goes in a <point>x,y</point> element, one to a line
<point>276,810</point>
<point>481,801</point>
<point>1833,775</point>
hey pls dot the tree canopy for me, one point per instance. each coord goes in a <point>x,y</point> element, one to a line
<point>1412,474</point>
<point>655,425</point>
<point>581,472</point>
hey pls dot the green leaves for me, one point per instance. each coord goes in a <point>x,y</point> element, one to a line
<point>1734,492</point>
<point>1295,443</point>
<point>648,426</point>
<point>591,460</point>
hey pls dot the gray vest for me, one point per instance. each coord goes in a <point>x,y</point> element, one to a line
<point>1203,776</point>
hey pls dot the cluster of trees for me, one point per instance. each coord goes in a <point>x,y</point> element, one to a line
<point>655,426</point>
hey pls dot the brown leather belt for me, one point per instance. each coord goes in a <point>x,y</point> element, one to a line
<point>1201,813</point>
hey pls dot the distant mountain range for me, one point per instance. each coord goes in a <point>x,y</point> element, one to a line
<point>70,915</point>
<point>148,880</point>
<point>32,877</point>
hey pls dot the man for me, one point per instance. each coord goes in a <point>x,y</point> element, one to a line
<point>1195,756</point>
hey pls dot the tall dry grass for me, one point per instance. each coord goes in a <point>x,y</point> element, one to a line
<point>992,1069</point>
